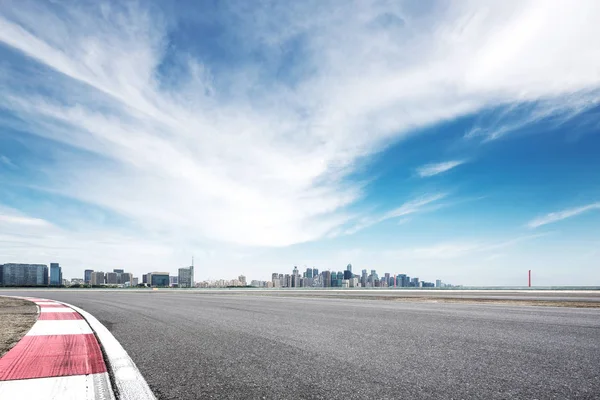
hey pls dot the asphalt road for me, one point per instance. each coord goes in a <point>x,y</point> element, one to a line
<point>192,345</point>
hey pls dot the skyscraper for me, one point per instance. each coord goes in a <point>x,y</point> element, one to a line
<point>97,278</point>
<point>55,274</point>
<point>185,277</point>
<point>24,275</point>
<point>87,276</point>
<point>349,267</point>
<point>364,277</point>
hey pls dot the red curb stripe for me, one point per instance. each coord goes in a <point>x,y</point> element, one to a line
<point>59,316</point>
<point>55,355</point>
<point>57,305</point>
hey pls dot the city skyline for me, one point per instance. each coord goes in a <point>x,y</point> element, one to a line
<point>453,140</point>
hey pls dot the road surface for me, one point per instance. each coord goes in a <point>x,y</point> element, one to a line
<point>191,345</point>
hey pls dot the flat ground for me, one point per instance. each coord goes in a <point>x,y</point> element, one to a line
<point>215,345</point>
<point>16,318</point>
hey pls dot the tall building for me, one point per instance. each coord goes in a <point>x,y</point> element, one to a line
<point>111,278</point>
<point>118,271</point>
<point>24,275</point>
<point>438,283</point>
<point>125,277</point>
<point>364,277</point>
<point>275,279</point>
<point>174,280</point>
<point>242,280</point>
<point>349,267</point>
<point>55,274</point>
<point>87,276</point>
<point>97,278</point>
<point>159,279</point>
<point>1,273</point>
<point>185,277</point>
<point>309,273</point>
<point>326,278</point>
<point>315,272</point>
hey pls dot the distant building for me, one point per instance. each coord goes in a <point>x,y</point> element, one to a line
<point>118,271</point>
<point>242,280</point>
<point>125,277</point>
<point>159,279</point>
<point>135,282</point>
<point>87,276</point>
<point>55,274</point>
<point>24,275</point>
<point>349,267</point>
<point>98,278</point>
<point>173,280</point>
<point>185,277</point>
<point>111,278</point>
<point>438,283</point>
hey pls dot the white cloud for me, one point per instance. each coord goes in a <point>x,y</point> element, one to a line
<point>434,169</point>
<point>421,204</point>
<point>19,220</point>
<point>560,215</point>
<point>448,250</point>
<point>231,156</point>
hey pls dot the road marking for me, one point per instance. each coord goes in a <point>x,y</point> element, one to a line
<point>76,387</point>
<point>129,382</point>
<point>55,355</point>
<point>58,327</point>
<point>53,316</point>
<point>56,310</point>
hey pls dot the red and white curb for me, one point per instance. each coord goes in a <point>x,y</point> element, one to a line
<point>61,358</point>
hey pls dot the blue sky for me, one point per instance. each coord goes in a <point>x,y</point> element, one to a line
<point>446,141</point>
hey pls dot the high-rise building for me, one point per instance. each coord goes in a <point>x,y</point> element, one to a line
<point>186,277</point>
<point>145,279</point>
<point>414,282</point>
<point>159,279</point>
<point>315,272</point>
<point>326,278</point>
<point>124,278</point>
<point>309,273</point>
<point>1,275</point>
<point>242,280</point>
<point>438,283</point>
<point>349,267</point>
<point>97,278</point>
<point>87,276</point>
<point>118,271</point>
<point>363,279</point>
<point>348,274</point>
<point>173,280</point>
<point>111,278</point>
<point>135,282</point>
<point>55,274</point>
<point>24,275</point>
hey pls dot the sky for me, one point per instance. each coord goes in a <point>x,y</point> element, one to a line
<point>444,140</point>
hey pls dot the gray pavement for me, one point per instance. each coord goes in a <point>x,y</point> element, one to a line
<point>193,344</point>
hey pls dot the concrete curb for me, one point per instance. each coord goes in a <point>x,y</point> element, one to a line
<point>58,358</point>
<point>129,382</point>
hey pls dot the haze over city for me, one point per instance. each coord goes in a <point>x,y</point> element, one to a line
<point>448,141</point>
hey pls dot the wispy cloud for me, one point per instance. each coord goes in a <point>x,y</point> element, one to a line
<point>420,204</point>
<point>19,220</point>
<point>7,161</point>
<point>560,215</point>
<point>464,248</point>
<point>434,169</point>
<point>257,150</point>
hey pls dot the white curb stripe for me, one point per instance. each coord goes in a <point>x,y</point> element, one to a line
<point>46,303</point>
<point>76,387</point>
<point>57,310</point>
<point>59,327</point>
<point>129,382</point>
